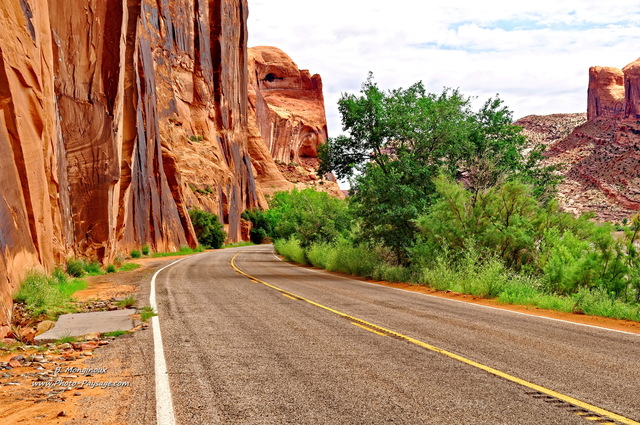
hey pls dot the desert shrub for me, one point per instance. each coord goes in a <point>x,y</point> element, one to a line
<point>76,268</point>
<point>59,276</point>
<point>359,260</point>
<point>318,253</point>
<point>93,268</point>
<point>135,253</point>
<point>291,249</point>
<point>111,268</point>
<point>208,228</point>
<point>391,273</point>
<point>145,249</point>
<point>257,235</point>
<point>48,295</point>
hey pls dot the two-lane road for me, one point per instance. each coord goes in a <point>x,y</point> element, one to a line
<point>281,344</point>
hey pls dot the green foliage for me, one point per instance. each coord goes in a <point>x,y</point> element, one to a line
<point>399,141</point>
<point>258,236</point>
<point>308,215</point>
<point>208,228</point>
<point>114,334</point>
<point>127,267</point>
<point>128,302</point>
<point>146,249</point>
<point>291,249</point>
<point>261,226</point>
<point>183,250</point>
<point>76,268</point>
<point>65,340</point>
<point>147,313</point>
<point>135,253</point>
<point>111,268</point>
<point>93,268</point>
<point>48,296</point>
<point>238,244</point>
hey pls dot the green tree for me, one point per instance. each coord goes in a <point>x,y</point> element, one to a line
<point>308,215</point>
<point>398,141</point>
<point>208,228</point>
<point>261,227</point>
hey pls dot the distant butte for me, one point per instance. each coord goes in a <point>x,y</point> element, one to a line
<point>599,153</point>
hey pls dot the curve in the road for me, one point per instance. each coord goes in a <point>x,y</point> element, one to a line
<point>578,407</point>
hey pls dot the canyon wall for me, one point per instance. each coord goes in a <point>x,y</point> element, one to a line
<point>287,123</point>
<point>116,117</point>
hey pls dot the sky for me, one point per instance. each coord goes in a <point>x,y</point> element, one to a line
<point>535,54</point>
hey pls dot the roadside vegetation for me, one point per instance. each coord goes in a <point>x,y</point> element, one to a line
<point>45,297</point>
<point>444,196</point>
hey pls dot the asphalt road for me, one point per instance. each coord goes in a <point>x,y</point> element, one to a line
<point>242,352</point>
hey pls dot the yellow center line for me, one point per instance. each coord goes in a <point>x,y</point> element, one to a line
<point>368,329</point>
<point>378,329</point>
<point>290,297</point>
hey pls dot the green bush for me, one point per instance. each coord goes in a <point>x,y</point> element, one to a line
<point>93,268</point>
<point>135,253</point>
<point>44,295</point>
<point>261,227</point>
<point>257,235</point>
<point>145,249</point>
<point>318,253</point>
<point>309,216</point>
<point>357,260</point>
<point>76,268</point>
<point>291,249</point>
<point>208,228</point>
<point>111,268</point>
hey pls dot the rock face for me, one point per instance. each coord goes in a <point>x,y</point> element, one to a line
<point>287,123</point>
<point>632,90</point>
<point>116,118</point>
<point>605,95</point>
<point>600,158</point>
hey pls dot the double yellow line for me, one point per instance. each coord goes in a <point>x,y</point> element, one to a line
<point>600,414</point>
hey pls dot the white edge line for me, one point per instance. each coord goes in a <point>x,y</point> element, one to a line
<point>464,302</point>
<point>164,403</point>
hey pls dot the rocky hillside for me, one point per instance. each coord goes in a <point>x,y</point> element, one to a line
<point>118,117</point>
<point>600,155</point>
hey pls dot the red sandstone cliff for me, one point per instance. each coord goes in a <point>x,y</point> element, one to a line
<point>114,114</point>
<point>287,123</point>
<point>600,158</point>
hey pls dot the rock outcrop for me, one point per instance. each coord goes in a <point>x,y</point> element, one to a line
<point>287,123</point>
<point>116,118</point>
<point>600,158</point>
<point>605,96</point>
<point>632,90</point>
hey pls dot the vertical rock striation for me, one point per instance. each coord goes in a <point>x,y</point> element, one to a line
<point>287,123</point>
<point>116,118</point>
<point>605,96</point>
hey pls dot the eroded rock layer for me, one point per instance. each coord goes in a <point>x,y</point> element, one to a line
<point>116,117</point>
<point>287,123</point>
<point>600,158</point>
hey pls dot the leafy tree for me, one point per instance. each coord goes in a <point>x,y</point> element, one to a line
<point>398,141</point>
<point>208,228</point>
<point>261,227</point>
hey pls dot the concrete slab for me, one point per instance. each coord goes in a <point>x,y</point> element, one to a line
<point>84,323</point>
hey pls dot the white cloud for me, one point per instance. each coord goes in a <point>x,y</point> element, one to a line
<point>535,54</point>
